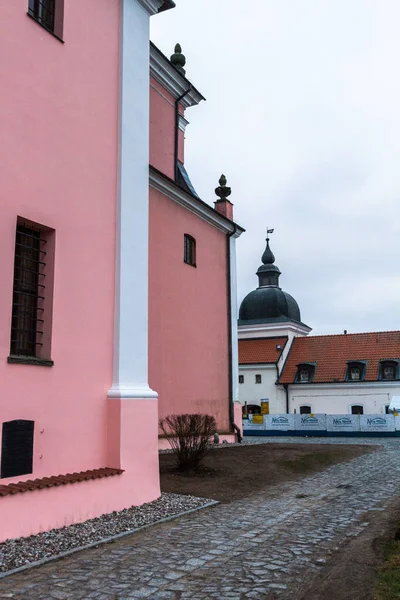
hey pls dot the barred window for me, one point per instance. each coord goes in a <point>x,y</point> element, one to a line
<point>241,378</point>
<point>28,291</point>
<point>49,13</point>
<point>258,379</point>
<point>189,250</point>
<point>32,294</point>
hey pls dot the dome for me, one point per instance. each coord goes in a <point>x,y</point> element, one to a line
<point>268,303</point>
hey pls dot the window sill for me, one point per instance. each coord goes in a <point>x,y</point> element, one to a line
<point>44,27</point>
<point>30,360</point>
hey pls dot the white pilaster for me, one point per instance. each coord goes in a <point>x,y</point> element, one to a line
<point>130,374</point>
<point>234,328</point>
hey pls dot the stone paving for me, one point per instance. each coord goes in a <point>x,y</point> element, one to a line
<point>261,548</point>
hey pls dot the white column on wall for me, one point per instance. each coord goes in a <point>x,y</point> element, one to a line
<point>130,374</point>
<point>234,326</point>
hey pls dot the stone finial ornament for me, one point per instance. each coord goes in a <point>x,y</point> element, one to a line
<point>178,59</point>
<point>223,191</point>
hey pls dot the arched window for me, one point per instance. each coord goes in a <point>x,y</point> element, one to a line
<point>189,250</point>
<point>357,409</point>
<point>305,410</point>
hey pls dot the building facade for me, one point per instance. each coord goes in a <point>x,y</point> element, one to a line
<point>102,297</point>
<point>299,374</point>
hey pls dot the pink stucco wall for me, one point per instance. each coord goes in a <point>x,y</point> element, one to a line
<point>188,329</point>
<point>58,157</point>
<point>135,424</point>
<point>162,129</point>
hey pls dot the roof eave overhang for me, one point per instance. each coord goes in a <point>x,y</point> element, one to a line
<point>171,79</point>
<point>152,7</point>
<point>169,188</point>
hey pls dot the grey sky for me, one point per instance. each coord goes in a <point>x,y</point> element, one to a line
<point>303,117</point>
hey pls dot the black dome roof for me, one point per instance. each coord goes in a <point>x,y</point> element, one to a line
<point>268,303</point>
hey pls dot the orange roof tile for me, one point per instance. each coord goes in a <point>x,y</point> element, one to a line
<point>56,480</point>
<point>332,352</point>
<point>261,351</point>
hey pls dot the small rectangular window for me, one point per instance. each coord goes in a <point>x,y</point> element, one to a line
<point>17,448</point>
<point>258,378</point>
<point>189,250</point>
<point>241,378</point>
<point>32,293</point>
<point>49,14</point>
<point>305,410</point>
<point>357,410</point>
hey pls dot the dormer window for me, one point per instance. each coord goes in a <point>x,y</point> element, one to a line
<point>305,373</point>
<point>355,371</point>
<point>389,370</point>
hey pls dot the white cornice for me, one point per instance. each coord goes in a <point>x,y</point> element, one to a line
<point>343,385</point>
<point>267,329</point>
<point>259,366</point>
<point>198,207</point>
<point>170,78</point>
<point>151,6</point>
<point>183,123</point>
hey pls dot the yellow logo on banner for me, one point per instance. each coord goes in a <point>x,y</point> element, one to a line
<point>258,419</point>
<point>265,408</point>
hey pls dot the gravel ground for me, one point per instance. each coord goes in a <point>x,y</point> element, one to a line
<point>22,551</point>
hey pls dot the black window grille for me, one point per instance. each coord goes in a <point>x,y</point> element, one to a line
<point>28,293</point>
<point>189,250</point>
<point>43,11</point>
<point>258,379</point>
<point>305,410</point>
<point>17,448</point>
<point>357,409</point>
<point>241,378</point>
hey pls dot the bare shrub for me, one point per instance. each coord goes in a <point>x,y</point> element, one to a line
<point>189,436</point>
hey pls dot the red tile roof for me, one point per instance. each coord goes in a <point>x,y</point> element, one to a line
<point>332,352</point>
<point>260,351</point>
<point>55,480</point>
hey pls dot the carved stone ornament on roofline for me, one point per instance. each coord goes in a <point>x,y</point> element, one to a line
<point>172,80</point>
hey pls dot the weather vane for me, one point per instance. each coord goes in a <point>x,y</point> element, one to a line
<point>269,231</point>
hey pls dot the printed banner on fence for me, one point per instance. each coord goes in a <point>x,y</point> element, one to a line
<point>397,423</point>
<point>377,422</point>
<point>279,422</point>
<point>310,422</point>
<point>257,424</point>
<point>343,422</point>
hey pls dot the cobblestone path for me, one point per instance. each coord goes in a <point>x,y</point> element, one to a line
<point>247,549</point>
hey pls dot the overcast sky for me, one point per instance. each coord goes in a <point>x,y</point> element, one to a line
<point>303,117</point>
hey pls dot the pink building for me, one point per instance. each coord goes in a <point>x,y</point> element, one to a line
<point>118,305</point>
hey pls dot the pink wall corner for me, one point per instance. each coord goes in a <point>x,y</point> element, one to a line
<point>237,413</point>
<point>181,146</point>
<point>134,443</point>
<point>188,324</point>
<point>114,433</point>
<point>58,159</point>
<point>162,129</point>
